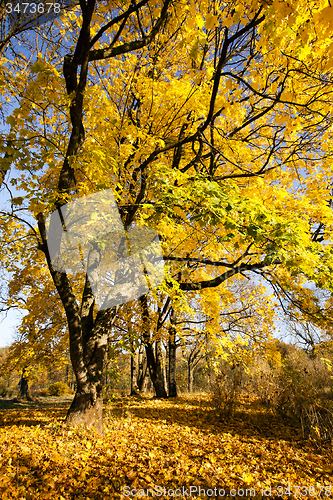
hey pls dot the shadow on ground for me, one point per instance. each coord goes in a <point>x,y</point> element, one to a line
<point>250,420</point>
<point>21,412</point>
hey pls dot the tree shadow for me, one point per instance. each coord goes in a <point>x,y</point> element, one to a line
<point>23,413</point>
<point>15,403</point>
<point>249,420</point>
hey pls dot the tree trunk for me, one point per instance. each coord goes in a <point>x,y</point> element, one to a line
<point>156,371</point>
<point>87,409</point>
<point>146,381</point>
<point>172,349</point>
<point>166,368</point>
<point>87,406</point>
<point>159,379</point>
<point>209,372</point>
<point>154,359</point>
<point>134,374</point>
<point>24,387</point>
<point>190,377</point>
<point>142,370</point>
<point>194,357</point>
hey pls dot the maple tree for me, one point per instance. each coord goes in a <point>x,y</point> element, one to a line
<point>18,26</point>
<point>210,123</point>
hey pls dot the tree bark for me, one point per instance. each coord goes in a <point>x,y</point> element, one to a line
<point>24,387</point>
<point>159,369</point>
<point>134,373</point>
<point>156,370</point>
<point>87,409</point>
<point>87,405</point>
<point>154,359</point>
<point>166,367</point>
<point>190,377</point>
<point>172,349</point>
<point>142,370</point>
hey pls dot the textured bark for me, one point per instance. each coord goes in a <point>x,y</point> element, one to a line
<point>87,405</point>
<point>142,379</point>
<point>190,378</point>
<point>87,411</point>
<point>158,381</point>
<point>172,349</point>
<point>143,387</point>
<point>154,356</point>
<point>155,366</point>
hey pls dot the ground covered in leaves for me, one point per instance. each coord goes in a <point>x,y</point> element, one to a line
<point>157,449</point>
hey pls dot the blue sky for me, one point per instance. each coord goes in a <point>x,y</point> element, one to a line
<point>9,327</point>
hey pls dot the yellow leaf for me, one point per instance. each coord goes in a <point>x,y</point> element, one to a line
<point>248,478</point>
<point>211,21</point>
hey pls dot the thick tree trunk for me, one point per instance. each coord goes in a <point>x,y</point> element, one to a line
<point>87,406</point>
<point>172,349</point>
<point>156,371</point>
<point>154,359</point>
<point>87,409</point>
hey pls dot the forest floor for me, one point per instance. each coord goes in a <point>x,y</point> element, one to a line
<point>175,448</point>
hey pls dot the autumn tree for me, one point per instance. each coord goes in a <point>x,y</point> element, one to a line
<point>209,122</point>
<point>41,342</point>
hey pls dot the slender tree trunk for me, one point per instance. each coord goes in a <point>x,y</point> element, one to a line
<point>134,374</point>
<point>146,381</point>
<point>24,387</point>
<point>190,377</point>
<point>159,378</point>
<point>142,370</point>
<point>166,368</point>
<point>209,372</point>
<point>172,349</point>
